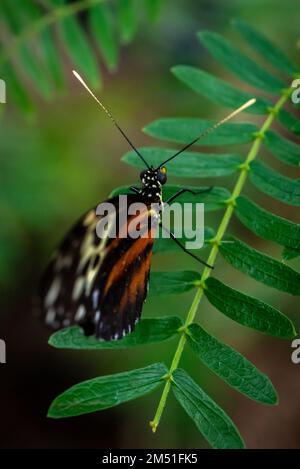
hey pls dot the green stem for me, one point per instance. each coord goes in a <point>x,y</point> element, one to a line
<point>216,241</point>
<point>52,17</point>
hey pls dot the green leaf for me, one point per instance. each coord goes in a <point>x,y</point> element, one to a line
<point>274,184</point>
<point>102,27</point>
<point>247,310</point>
<point>296,128</point>
<point>79,49</point>
<point>290,253</point>
<point>289,121</point>
<point>213,200</point>
<point>15,89</point>
<point>153,8</point>
<point>267,49</point>
<point>189,164</point>
<point>25,54</point>
<point>184,130</point>
<point>127,20</point>
<point>166,283</point>
<point>209,418</point>
<point>259,266</point>
<point>12,17</point>
<point>231,366</point>
<point>34,71</point>
<point>284,149</point>
<point>147,331</point>
<point>51,57</point>
<point>239,64</point>
<point>266,224</point>
<point>57,3</point>
<point>45,44</point>
<point>107,391</point>
<point>167,244</point>
<point>218,91</point>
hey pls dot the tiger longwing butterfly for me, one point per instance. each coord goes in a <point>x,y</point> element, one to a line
<point>101,283</point>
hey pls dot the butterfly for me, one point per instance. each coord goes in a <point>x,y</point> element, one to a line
<point>101,282</point>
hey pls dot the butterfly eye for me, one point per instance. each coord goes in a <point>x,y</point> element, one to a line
<point>162,175</point>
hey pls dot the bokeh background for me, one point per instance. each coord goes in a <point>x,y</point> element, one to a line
<point>56,165</point>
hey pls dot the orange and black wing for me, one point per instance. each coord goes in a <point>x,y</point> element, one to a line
<point>98,283</point>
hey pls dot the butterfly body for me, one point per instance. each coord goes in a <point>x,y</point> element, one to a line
<point>152,181</point>
<point>101,283</point>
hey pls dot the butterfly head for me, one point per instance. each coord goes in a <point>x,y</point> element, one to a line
<point>153,176</point>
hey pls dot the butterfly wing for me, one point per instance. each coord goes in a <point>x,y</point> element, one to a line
<point>97,282</point>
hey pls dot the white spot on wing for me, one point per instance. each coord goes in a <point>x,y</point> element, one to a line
<point>52,292</point>
<point>50,317</point>
<point>96,294</point>
<point>89,218</point>
<point>78,288</point>
<point>63,262</point>
<point>97,317</point>
<point>80,313</point>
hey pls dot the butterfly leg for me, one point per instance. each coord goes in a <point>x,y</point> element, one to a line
<point>136,190</point>
<point>172,236</point>
<point>182,191</point>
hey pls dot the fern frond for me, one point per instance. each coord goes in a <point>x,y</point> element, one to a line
<point>215,425</point>
<point>34,37</point>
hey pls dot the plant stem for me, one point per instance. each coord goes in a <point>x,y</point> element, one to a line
<point>53,16</point>
<point>216,241</point>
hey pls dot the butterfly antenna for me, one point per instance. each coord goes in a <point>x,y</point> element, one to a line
<point>108,113</point>
<point>211,129</point>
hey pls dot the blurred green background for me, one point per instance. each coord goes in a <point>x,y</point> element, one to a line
<point>55,166</point>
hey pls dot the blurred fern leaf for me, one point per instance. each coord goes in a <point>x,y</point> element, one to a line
<point>35,37</point>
